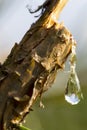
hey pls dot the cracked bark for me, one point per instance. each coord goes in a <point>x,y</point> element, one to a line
<point>31,67</point>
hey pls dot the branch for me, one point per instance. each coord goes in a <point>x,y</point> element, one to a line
<point>31,67</point>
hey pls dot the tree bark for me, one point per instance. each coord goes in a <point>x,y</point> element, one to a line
<point>31,67</point>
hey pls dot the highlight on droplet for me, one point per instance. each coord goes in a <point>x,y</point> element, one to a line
<point>72,99</point>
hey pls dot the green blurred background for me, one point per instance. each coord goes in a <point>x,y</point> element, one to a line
<point>15,20</point>
<point>58,115</point>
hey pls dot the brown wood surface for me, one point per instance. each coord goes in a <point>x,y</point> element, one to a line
<point>31,67</point>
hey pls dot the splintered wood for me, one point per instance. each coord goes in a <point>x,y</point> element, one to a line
<point>32,65</point>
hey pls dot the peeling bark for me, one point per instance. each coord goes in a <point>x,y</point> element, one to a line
<point>31,67</point>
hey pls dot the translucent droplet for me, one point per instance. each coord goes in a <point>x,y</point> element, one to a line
<point>73,92</point>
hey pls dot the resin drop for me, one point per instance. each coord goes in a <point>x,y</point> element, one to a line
<point>73,93</point>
